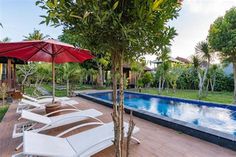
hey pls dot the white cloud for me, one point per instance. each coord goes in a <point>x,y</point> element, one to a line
<point>194,21</point>
<point>209,6</point>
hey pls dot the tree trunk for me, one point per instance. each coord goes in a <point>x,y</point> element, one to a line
<point>67,87</point>
<point>207,87</point>
<point>200,85</point>
<point>211,84</point>
<point>129,134</point>
<point>234,68</point>
<point>121,104</point>
<point>159,85</point>
<point>163,83</point>
<point>214,83</point>
<point>100,76</point>
<point>115,113</point>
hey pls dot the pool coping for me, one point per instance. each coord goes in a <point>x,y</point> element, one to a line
<point>210,135</point>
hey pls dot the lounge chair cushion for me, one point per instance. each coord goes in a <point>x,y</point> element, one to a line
<point>35,117</point>
<point>27,102</point>
<point>44,145</point>
<point>83,144</point>
<point>96,139</point>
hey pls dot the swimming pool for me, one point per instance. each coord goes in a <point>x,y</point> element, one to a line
<point>215,123</point>
<point>217,117</point>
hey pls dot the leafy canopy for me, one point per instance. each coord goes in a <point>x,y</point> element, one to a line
<point>222,35</point>
<point>134,26</point>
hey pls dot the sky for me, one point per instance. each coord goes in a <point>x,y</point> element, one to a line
<point>21,17</point>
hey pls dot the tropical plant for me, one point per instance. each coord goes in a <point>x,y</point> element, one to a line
<point>69,70</point>
<point>163,68</point>
<point>212,76</point>
<point>173,76</point>
<point>147,79</point>
<point>101,61</point>
<point>203,55</point>
<point>36,35</point>
<point>137,67</point>
<point>222,38</point>
<point>3,92</point>
<point>26,70</point>
<point>123,29</point>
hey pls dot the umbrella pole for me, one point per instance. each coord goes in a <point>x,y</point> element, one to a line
<point>53,80</point>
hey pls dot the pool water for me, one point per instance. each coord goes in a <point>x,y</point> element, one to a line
<point>211,116</point>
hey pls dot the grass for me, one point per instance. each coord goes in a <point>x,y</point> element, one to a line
<point>29,90</point>
<point>218,97</point>
<point>3,110</point>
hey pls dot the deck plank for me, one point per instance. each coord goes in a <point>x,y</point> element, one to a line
<point>156,140</point>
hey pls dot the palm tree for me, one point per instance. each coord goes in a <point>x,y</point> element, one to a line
<point>203,55</point>
<point>204,52</point>
<point>164,67</point>
<point>36,35</point>
<point>69,70</point>
<point>27,70</point>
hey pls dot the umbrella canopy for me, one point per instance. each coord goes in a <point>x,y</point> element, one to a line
<point>45,51</point>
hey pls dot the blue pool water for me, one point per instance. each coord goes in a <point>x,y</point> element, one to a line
<point>211,116</point>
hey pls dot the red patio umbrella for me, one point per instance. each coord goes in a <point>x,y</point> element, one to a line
<point>45,51</point>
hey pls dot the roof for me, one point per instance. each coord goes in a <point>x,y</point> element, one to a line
<point>184,60</point>
<point>14,60</point>
<point>127,66</point>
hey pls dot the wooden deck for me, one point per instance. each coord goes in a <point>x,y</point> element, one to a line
<point>156,141</point>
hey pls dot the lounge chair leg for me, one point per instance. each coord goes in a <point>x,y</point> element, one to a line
<point>136,140</point>
<point>19,146</point>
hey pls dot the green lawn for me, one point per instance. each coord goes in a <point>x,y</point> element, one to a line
<point>219,97</point>
<point>3,110</point>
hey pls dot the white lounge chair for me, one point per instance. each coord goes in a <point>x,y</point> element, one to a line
<point>38,123</point>
<point>45,99</point>
<point>30,105</point>
<point>52,122</point>
<point>83,144</point>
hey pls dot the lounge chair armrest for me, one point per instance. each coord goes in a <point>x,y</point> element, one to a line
<point>62,110</point>
<point>79,126</point>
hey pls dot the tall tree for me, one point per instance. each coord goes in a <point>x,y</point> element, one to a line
<point>204,53</point>
<point>222,38</point>
<point>101,61</point>
<point>173,75</point>
<point>122,28</point>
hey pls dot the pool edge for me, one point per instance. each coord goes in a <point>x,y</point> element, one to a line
<point>203,133</point>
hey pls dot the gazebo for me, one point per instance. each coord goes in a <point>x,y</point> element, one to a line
<point>8,72</point>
